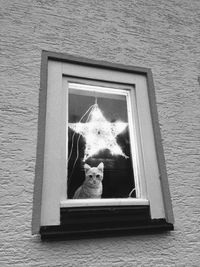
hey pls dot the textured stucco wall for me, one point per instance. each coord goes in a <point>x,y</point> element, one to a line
<point>163,35</point>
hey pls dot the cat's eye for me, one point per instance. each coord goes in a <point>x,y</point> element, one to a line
<point>90,175</point>
<point>97,176</point>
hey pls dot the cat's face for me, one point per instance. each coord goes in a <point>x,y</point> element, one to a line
<point>93,175</point>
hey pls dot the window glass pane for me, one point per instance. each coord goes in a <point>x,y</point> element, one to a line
<point>98,132</point>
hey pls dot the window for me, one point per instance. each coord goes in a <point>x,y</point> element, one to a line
<point>100,165</point>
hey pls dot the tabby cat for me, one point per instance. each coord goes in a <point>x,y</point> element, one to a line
<point>92,186</point>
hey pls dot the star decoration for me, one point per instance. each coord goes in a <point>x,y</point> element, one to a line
<point>99,134</point>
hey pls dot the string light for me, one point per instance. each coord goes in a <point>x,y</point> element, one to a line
<point>99,133</point>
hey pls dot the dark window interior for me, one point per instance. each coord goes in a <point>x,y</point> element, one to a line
<point>118,179</point>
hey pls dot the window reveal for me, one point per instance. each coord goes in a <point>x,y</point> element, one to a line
<point>75,95</point>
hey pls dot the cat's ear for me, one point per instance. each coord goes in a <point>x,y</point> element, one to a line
<point>100,166</point>
<point>86,167</point>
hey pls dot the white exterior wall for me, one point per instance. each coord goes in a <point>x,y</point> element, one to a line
<point>161,35</point>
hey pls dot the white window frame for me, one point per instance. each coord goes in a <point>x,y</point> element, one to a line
<point>129,92</point>
<point>51,166</point>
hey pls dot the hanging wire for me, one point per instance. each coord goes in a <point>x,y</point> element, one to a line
<point>129,195</point>
<point>74,132</point>
<point>90,109</point>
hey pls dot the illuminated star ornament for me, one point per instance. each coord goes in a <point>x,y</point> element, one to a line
<point>99,134</point>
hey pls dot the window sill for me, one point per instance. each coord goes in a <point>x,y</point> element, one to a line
<point>103,202</point>
<point>99,221</point>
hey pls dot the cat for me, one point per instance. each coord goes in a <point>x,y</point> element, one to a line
<point>92,186</point>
